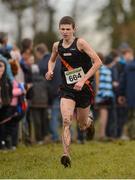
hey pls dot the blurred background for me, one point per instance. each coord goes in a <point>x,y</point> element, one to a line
<point>104,23</point>
<point>28,28</point>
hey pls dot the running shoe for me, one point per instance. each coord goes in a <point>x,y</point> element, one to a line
<point>66,161</point>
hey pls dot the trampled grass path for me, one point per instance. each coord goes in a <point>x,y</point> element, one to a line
<point>93,160</point>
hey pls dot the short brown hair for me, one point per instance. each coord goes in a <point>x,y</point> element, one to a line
<point>67,20</point>
<point>128,50</point>
<point>41,48</point>
<point>26,44</point>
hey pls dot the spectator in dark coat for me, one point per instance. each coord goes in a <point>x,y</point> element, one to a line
<point>125,56</point>
<point>43,57</point>
<point>25,64</point>
<point>38,104</point>
<point>5,98</point>
<point>127,95</point>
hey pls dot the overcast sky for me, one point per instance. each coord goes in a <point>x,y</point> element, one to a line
<point>86,21</point>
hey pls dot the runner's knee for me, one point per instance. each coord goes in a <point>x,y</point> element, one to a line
<point>67,120</point>
<point>82,123</point>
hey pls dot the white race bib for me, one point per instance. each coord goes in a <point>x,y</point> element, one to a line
<point>74,75</point>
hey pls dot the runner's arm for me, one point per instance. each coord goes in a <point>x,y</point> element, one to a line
<point>84,46</point>
<point>52,61</point>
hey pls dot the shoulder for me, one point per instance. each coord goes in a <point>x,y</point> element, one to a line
<point>80,40</point>
<point>55,46</point>
<point>82,43</point>
<point>130,66</point>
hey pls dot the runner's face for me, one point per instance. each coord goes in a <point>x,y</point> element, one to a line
<point>66,31</point>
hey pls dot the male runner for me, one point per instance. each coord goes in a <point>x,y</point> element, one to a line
<point>79,64</point>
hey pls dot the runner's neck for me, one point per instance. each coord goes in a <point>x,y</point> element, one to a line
<point>68,42</point>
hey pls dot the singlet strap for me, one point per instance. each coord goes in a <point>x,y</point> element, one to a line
<point>74,43</point>
<point>60,43</point>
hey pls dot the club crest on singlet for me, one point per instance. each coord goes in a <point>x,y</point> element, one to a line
<point>74,75</point>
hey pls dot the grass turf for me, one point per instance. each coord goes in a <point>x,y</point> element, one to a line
<point>91,160</point>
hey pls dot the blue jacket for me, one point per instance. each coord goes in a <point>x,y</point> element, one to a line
<point>127,83</point>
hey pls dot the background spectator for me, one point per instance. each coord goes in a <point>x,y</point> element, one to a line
<point>127,95</point>
<point>43,56</point>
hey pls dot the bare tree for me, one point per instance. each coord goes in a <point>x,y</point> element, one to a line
<point>18,7</point>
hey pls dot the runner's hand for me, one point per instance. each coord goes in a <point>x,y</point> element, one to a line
<point>79,85</point>
<point>49,75</point>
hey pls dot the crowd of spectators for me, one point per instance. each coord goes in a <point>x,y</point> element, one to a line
<point>29,104</point>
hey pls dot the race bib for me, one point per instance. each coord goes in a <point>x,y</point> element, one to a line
<point>74,75</point>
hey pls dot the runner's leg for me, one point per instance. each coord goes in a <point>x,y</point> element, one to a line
<point>86,123</point>
<point>83,117</point>
<point>67,107</point>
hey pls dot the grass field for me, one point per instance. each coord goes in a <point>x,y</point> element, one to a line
<point>92,160</point>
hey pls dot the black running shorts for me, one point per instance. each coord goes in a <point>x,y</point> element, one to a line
<point>82,98</point>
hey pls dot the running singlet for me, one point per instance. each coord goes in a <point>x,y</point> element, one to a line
<point>79,61</point>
